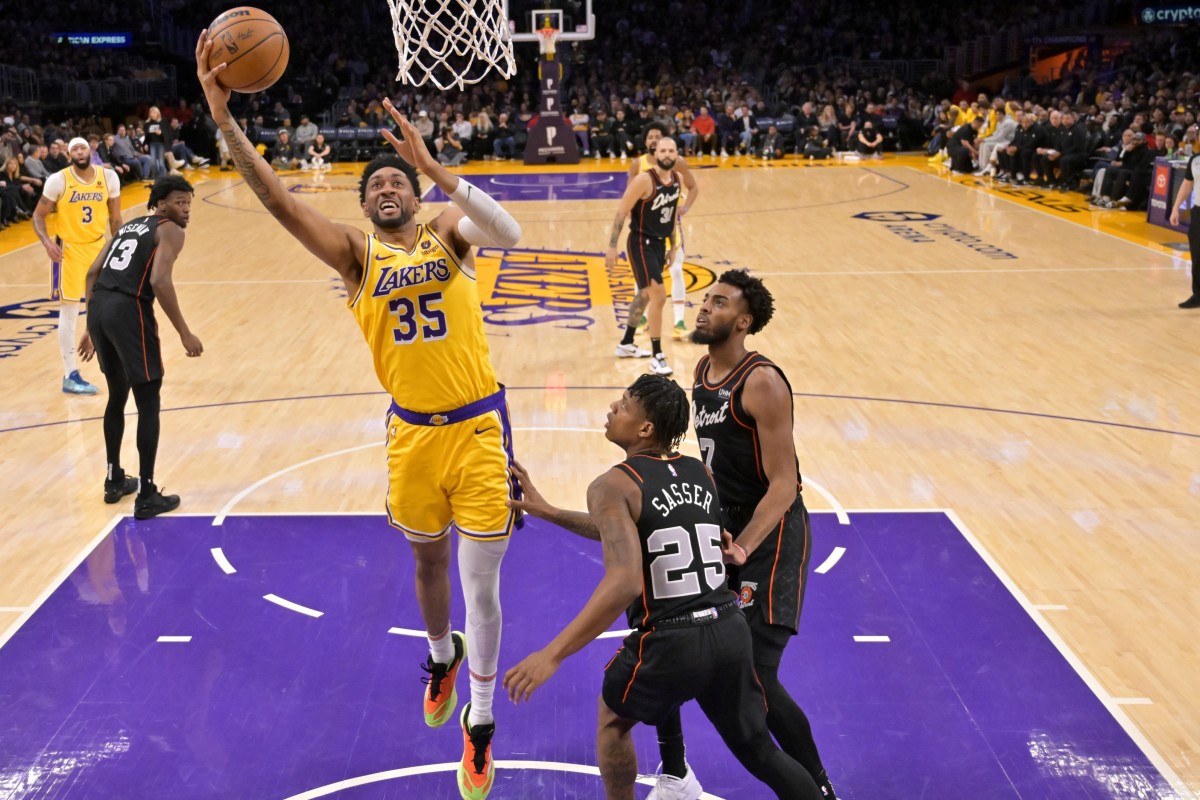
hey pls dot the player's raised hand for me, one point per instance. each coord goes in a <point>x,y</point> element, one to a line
<point>532,672</point>
<point>213,91</point>
<point>411,147</point>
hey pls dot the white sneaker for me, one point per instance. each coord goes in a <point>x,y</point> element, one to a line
<point>632,351</point>
<point>659,365</point>
<point>671,788</point>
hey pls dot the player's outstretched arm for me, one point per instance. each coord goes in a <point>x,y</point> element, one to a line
<point>339,246</point>
<point>639,188</point>
<point>475,218</point>
<point>532,503</point>
<point>612,499</point>
<point>170,243</point>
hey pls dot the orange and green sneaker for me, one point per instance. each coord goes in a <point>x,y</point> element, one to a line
<point>440,695</point>
<point>476,771</point>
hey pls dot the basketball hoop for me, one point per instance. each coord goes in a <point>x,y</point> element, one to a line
<point>548,36</point>
<point>451,42</point>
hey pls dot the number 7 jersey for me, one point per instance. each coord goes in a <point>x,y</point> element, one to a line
<point>420,314</point>
<point>679,530</point>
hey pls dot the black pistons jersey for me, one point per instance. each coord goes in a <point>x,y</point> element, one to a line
<point>680,534</point>
<point>655,215</point>
<point>728,435</point>
<point>131,257</point>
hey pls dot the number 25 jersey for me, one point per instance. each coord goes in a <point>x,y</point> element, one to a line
<point>419,311</point>
<point>679,530</point>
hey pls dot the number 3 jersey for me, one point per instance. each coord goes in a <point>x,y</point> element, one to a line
<point>679,531</point>
<point>130,258</point>
<point>419,311</point>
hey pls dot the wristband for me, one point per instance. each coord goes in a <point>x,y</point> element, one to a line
<point>742,550</point>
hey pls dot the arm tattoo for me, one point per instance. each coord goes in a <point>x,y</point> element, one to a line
<point>618,223</point>
<point>244,156</point>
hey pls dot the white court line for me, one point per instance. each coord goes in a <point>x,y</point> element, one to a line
<point>220,518</point>
<point>407,632</point>
<point>1050,608</point>
<point>175,639</point>
<point>842,517</point>
<point>219,556</point>
<point>830,562</point>
<point>614,634</point>
<point>872,638</point>
<point>60,580</point>
<point>288,604</point>
<point>427,769</point>
<point>1103,696</point>
<point>1133,701</point>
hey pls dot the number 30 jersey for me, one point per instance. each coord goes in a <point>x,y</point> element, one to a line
<point>655,215</point>
<point>130,258</point>
<point>679,530</point>
<point>419,311</point>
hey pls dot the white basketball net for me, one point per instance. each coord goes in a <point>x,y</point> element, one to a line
<point>451,42</point>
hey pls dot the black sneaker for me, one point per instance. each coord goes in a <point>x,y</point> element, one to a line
<point>119,487</point>
<point>1191,302</point>
<point>151,502</point>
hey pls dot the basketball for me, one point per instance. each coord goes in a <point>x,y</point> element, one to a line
<point>254,46</point>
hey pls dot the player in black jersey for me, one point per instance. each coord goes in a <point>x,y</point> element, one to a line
<point>122,284</point>
<point>649,201</point>
<point>657,516</point>
<point>742,410</point>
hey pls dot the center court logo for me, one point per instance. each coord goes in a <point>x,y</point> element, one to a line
<point>560,288</point>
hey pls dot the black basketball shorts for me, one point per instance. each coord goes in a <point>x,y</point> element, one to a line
<point>771,584</point>
<point>657,671</point>
<point>125,335</point>
<point>647,257</point>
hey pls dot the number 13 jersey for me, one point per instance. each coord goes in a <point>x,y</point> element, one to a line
<point>679,530</point>
<point>419,311</point>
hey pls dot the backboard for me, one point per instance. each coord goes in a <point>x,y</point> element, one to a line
<point>574,18</point>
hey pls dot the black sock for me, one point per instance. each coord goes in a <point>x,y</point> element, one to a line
<point>630,330</point>
<point>670,746</point>
<point>147,398</point>
<point>656,346</point>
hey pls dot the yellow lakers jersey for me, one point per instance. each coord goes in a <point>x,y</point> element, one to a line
<point>83,208</point>
<point>419,311</point>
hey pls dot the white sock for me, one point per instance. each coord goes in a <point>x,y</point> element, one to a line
<point>479,571</point>
<point>678,286</point>
<point>68,313</point>
<point>441,647</point>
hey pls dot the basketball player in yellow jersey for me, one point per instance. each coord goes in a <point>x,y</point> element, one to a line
<point>655,131</point>
<point>87,199</point>
<point>412,291</point>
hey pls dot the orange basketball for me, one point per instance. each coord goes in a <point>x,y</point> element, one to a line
<point>254,46</point>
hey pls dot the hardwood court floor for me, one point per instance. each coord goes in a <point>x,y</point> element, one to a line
<point>1007,355</point>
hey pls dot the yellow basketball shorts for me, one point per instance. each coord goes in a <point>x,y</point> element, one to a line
<point>452,467</point>
<point>68,277</point>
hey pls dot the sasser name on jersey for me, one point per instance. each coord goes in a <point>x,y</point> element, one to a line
<point>674,495</point>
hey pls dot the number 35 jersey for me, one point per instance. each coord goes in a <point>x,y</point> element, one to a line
<point>679,530</point>
<point>419,311</point>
